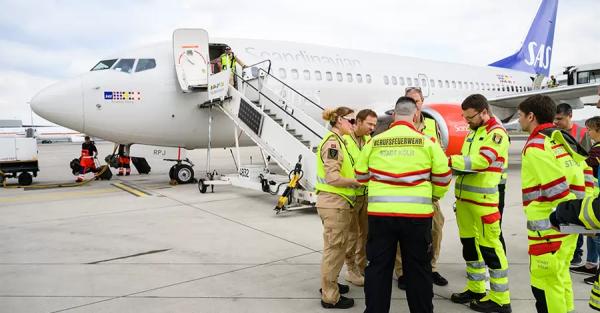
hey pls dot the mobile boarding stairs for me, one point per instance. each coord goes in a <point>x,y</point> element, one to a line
<point>275,116</point>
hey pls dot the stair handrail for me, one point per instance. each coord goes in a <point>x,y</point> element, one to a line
<point>294,90</point>
<point>260,68</point>
<point>275,103</point>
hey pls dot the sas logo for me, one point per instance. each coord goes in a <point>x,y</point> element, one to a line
<point>541,58</point>
<point>122,95</point>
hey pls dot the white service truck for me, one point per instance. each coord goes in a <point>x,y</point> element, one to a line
<point>18,159</point>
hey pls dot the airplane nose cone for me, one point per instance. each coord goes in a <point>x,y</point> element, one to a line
<point>61,103</point>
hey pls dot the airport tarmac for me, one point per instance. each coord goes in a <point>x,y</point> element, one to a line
<point>98,248</point>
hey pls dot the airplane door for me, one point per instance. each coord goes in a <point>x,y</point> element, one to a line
<point>424,81</point>
<point>190,52</point>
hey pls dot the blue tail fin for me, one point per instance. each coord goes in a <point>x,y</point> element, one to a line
<point>534,56</point>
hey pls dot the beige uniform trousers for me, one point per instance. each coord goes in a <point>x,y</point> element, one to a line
<point>336,223</point>
<point>436,234</point>
<point>356,257</point>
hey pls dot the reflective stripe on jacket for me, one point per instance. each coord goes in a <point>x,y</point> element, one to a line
<point>549,175</point>
<point>404,170</point>
<point>485,151</point>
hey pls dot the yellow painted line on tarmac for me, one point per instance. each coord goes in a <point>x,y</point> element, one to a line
<point>131,190</point>
<point>55,195</point>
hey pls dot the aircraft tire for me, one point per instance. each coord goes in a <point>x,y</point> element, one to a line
<point>183,173</point>
<point>172,172</point>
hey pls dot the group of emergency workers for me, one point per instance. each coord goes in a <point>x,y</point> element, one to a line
<point>379,197</point>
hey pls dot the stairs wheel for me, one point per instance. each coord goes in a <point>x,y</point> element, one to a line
<point>183,173</point>
<point>201,186</point>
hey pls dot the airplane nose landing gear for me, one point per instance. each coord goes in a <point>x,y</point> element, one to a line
<point>182,173</point>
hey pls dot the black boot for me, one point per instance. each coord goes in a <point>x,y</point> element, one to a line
<point>466,296</point>
<point>343,303</point>
<point>439,279</point>
<point>489,306</point>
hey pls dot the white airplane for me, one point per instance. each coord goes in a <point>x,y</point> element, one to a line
<point>135,97</point>
<point>43,133</point>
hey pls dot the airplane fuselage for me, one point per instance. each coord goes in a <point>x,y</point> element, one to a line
<point>148,107</point>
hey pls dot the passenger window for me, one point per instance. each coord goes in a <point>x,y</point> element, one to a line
<point>583,77</point>
<point>386,80</point>
<point>349,77</point>
<point>401,80</point>
<point>125,65</point>
<point>282,73</point>
<point>440,83</point>
<point>368,77</point>
<point>329,76</point>
<point>103,65</point>
<point>447,83</point>
<point>339,76</point>
<point>409,81</point>
<point>306,74</point>
<point>295,74</point>
<point>453,84</point>
<point>471,85</point>
<point>423,82</point>
<point>477,86</point>
<point>512,88</point>
<point>394,81</point>
<point>416,80</point>
<point>432,83</point>
<point>359,78</point>
<point>318,75</point>
<point>145,64</point>
<point>459,85</point>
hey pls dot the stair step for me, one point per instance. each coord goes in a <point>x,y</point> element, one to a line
<point>272,115</point>
<point>305,142</point>
<point>267,111</point>
<point>278,120</point>
<point>299,136</point>
<point>291,131</point>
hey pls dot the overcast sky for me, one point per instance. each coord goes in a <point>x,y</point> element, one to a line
<point>44,41</point>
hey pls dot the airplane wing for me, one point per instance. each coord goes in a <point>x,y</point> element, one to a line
<point>569,94</point>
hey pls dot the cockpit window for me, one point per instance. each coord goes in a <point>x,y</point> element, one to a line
<point>145,64</point>
<point>125,65</point>
<point>103,65</point>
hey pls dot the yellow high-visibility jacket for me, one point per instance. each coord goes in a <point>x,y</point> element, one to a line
<point>404,170</point>
<point>483,157</point>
